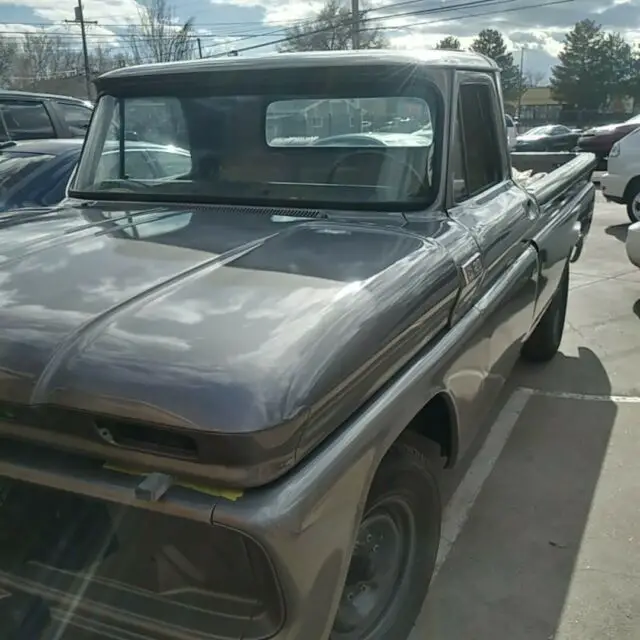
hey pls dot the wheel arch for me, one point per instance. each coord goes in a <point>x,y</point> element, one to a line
<point>437,421</point>
<point>631,185</point>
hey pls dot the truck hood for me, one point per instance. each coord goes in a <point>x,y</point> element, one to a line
<point>215,321</point>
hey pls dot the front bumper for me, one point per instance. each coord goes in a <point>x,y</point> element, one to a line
<point>632,244</point>
<point>112,556</point>
<point>613,187</point>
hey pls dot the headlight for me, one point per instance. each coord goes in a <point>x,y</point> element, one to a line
<point>615,150</point>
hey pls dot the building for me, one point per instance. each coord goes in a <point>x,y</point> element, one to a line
<point>538,106</point>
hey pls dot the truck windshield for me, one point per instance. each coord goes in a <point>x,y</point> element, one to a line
<point>372,151</point>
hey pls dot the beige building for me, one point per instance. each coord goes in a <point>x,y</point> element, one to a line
<point>537,105</point>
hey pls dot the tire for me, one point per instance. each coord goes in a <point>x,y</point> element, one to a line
<point>543,344</point>
<point>404,511</point>
<point>632,198</point>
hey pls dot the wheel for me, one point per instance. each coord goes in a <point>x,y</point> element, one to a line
<point>543,344</point>
<point>633,201</point>
<point>395,551</point>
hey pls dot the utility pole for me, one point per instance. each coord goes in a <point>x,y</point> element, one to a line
<point>520,87</point>
<point>199,47</point>
<point>355,24</point>
<point>79,19</point>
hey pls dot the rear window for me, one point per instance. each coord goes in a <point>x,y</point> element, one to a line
<point>24,120</point>
<point>15,168</point>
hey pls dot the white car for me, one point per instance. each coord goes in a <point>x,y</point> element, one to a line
<point>633,243</point>
<point>621,183</point>
<point>512,133</point>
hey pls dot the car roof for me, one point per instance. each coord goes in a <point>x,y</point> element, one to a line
<point>32,95</point>
<point>302,60</point>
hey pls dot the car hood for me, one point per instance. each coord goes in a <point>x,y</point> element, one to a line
<point>213,320</point>
<point>611,129</point>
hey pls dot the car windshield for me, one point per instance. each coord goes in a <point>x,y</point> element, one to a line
<point>15,168</point>
<point>368,150</point>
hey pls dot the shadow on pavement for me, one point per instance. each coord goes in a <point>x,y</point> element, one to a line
<point>509,573</point>
<point>584,374</point>
<point>618,231</point>
<point>636,308</point>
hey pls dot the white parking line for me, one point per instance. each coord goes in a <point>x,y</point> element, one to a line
<point>459,506</point>
<point>583,396</point>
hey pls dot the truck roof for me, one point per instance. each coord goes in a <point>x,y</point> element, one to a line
<point>301,60</point>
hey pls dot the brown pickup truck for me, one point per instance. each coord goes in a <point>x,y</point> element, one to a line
<point>227,394</point>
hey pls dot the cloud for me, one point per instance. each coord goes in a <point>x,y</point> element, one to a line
<point>228,23</point>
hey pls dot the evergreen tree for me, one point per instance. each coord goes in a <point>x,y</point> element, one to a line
<point>491,43</point>
<point>450,43</point>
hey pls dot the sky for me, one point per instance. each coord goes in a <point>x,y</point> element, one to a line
<point>537,26</point>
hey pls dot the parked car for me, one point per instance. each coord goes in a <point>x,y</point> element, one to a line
<point>550,137</point>
<point>228,395</point>
<point>28,116</point>
<point>621,182</point>
<point>599,140</point>
<point>512,131</point>
<point>35,173</point>
<point>632,244</point>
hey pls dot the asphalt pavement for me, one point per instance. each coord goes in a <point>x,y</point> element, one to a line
<point>541,536</point>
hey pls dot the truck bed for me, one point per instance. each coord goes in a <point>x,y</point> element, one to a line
<point>564,171</point>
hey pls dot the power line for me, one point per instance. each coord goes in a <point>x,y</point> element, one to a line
<point>471,15</point>
<point>432,11</point>
<point>429,11</point>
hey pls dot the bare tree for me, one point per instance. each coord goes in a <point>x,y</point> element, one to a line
<point>332,29</point>
<point>46,54</point>
<point>9,52</point>
<point>159,36</point>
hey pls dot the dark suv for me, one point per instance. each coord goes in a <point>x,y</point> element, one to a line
<point>29,116</point>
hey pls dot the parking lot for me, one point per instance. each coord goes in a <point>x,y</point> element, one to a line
<point>541,536</point>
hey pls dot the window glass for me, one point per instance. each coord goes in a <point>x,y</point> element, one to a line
<point>76,116</point>
<point>137,165</point>
<point>171,162</point>
<point>24,120</point>
<point>248,148</point>
<point>456,168</point>
<point>480,138</point>
<point>383,121</point>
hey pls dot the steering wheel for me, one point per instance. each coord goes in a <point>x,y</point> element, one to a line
<point>378,152</point>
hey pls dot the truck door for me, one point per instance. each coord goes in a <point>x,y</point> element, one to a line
<point>499,214</point>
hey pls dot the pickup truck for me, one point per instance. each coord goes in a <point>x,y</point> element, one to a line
<point>229,396</point>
